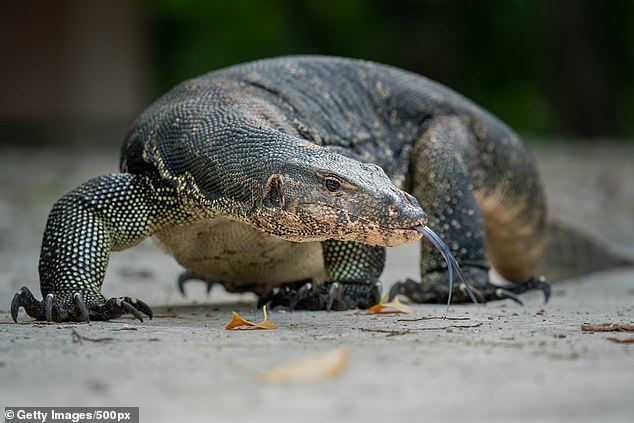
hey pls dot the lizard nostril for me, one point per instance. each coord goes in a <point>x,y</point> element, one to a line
<point>409,198</point>
<point>393,210</point>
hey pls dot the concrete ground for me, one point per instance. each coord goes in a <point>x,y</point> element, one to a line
<point>494,362</point>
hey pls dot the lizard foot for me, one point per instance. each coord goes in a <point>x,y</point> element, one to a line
<point>190,275</point>
<point>343,295</point>
<point>76,307</point>
<point>434,288</point>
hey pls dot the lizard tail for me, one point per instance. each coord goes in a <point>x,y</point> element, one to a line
<point>571,253</point>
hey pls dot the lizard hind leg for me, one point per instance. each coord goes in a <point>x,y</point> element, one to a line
<point>445,168</point>
<point>491,292</point>
<point>452,264</point>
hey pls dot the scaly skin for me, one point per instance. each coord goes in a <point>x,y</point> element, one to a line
<point>289,177</point>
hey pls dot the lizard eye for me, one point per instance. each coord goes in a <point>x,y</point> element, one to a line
<point>332,184</point>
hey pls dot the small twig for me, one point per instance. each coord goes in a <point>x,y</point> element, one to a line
<point>450,327</point>
<point>608,327</point>
<point>126,327</point>
<point>77,338</point>
<point>410,330</point>
<point>417,319</point>
<point>388,332</point>
<point>467,326</point>
<point>166,314</point>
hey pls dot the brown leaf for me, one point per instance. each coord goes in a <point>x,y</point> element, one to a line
<point>239,322</point>
<point>326,365</point>
<point>622,341</point>
<point>608,327</point>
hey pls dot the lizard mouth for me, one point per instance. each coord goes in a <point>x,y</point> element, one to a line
<point>414,227</point>
<point>408,229</point>
<point>380,234</point>
<point>334,223</point>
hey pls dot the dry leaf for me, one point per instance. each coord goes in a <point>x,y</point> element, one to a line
<point>622,341</point>
<point>323,366</point>
<point>608,327</point>
<point>393,307</point>
<point>238,321</point>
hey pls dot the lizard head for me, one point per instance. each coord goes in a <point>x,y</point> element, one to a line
<point>319,195</point>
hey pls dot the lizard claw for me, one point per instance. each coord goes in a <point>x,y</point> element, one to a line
<point>335,292</point>
<point>512,292</point>
<point>266,298</point>
<point>130,305</point>
<point>49,307</point>
<point>80,305</point>
<point>189,275</point>
<point>538,283</point>
<point>475,295</point>
<point>132,310</point>
<point>502,294</point>
<point>345,295</point>
<point>24,298</point>
<point>304,291</point>
<point>284,296</point>
<point>415,292</point>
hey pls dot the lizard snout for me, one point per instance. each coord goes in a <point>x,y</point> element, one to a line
<point>406,209</point>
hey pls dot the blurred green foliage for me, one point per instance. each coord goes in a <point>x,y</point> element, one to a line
<point>545,67</point>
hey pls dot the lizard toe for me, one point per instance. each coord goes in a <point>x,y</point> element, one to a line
<point>334,293</point>
<point>417,292</point>
<point>302,295</point>
<point>115,307</point>
<point>434,287</point>
<point>503,294</point>
<point>534,283</point>
<point>33,307</point>
<point>283,296</point>
<point>48,307</point>
<point>190,275</point>
<point>493,292</point>
<point>80,305</point>
<point>345,295</point>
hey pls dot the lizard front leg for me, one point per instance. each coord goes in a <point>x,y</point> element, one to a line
<point>353,271</point>
<point>108,213</point>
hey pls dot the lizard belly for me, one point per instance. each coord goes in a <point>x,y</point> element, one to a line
<point>236,253</point>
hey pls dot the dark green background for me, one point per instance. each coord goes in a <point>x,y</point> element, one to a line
<point>545,67</point>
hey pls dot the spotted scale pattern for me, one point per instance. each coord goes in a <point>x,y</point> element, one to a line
<point>108,213</point>
<point>352,261</point>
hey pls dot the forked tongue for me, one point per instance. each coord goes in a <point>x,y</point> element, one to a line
<point>449,258</point>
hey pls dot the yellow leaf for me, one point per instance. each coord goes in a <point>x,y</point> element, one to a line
<point>323,366</point>
<point>266,324</point>
<point>393,307</point>
<point>238,321</point>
